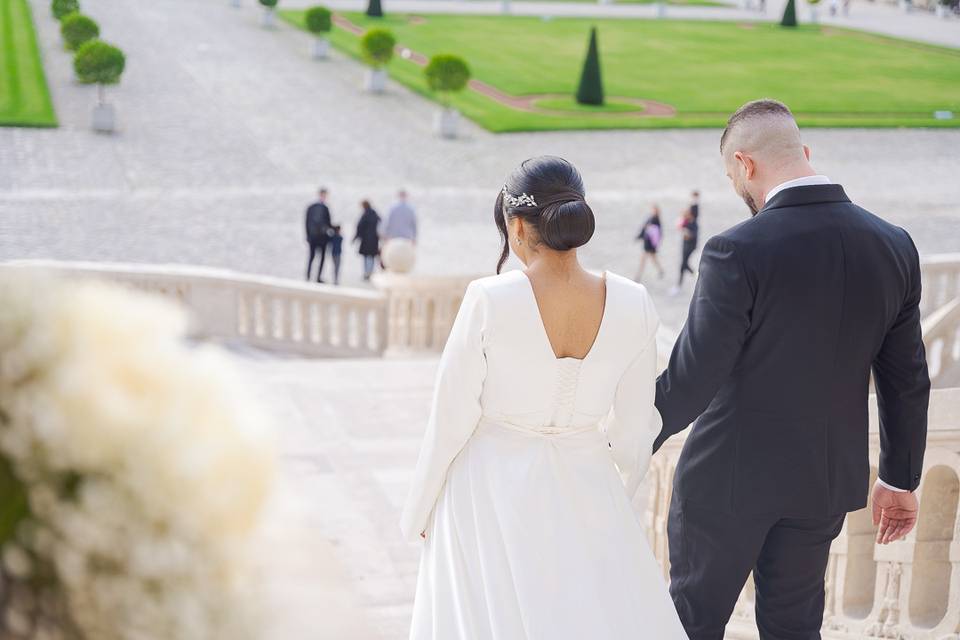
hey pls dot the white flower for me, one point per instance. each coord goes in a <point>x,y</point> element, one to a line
<point>146,466</point>
<point>17,621</point>
<point>16,560</point>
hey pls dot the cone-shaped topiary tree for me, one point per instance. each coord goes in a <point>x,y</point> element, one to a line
<point>789,15</point>
<point>590,90</point>
<point>374,9</point>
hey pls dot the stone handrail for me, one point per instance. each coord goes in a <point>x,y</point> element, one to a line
<point>941,335</point>
<point>267,313</point>
<point>407,314</point>
<point>908,590</point>
<point>941,281</point>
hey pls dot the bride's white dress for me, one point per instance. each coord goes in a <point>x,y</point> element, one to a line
<point>529,530</point>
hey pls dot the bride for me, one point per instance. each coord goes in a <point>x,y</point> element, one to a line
<point>546,382</point>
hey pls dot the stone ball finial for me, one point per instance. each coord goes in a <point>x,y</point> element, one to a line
<point>399,255</point>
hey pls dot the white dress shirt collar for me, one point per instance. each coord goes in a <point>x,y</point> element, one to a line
<point>797,182</point>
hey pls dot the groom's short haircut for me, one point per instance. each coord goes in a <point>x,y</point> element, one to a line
<point>765,127</point>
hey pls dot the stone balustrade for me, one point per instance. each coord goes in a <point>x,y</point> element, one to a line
<point>909,590</point>
<point>405,314</point>
<point>420,309</point>
<point>941,281</point>
<point>941,335</point>
<point>263,312</point>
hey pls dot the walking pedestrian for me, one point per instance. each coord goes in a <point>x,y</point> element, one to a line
<point>690,230</point>
<point>368,235</point>
<point>401,221</point>
<point>695,204</point>
<point>318,231</point>
<point>651,234</point>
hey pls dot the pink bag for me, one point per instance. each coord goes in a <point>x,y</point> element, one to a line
<point>653,235</point>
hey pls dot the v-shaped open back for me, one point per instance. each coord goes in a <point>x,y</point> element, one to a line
<point>543,325</point>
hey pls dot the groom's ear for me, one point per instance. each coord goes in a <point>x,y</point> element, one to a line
<point>806,152</point>
<point>749,167</point>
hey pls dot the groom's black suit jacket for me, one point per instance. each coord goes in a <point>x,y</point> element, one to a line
<point>791,312</point>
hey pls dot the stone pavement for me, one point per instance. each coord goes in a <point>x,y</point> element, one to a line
<point>876,17</point>
<point>227,129</point>
<point>349,436</point>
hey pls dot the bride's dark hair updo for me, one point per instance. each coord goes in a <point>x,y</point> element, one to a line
<point>547,193</point>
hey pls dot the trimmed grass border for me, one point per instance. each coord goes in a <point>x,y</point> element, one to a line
<point>24,94</point>
<point>831,77</point>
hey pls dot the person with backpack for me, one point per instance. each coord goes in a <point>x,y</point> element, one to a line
<point>651,234</point>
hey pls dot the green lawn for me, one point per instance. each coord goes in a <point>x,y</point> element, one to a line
<point>24,98</point>
<point>697,3</point>
<point>830,77</point>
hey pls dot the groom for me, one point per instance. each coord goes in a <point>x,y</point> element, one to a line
<point>792,311</point>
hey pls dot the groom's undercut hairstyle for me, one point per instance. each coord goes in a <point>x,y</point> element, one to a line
<point>765,128</point>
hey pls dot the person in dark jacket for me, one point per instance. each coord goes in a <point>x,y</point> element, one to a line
<point>651,234</point>
<point>318,227</point>
<point>368,235</point>
<point>690,232</point>
<point>793,311</point>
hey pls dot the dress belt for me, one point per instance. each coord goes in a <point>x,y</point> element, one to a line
<point>540,430</point>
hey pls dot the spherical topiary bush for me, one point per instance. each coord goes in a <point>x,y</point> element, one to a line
<point>446,73</point>
<point>269,4</point>
<point>319,20</point>
<point>61,8</point>
<point>98,62</point>
<point>377,47</point>
<point>76,29</point>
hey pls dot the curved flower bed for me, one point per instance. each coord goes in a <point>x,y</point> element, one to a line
<point>133,470</point>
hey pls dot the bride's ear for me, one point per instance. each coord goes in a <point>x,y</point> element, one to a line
<point>519,230</point>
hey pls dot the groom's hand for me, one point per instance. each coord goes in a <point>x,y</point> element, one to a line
<point>895,512</point>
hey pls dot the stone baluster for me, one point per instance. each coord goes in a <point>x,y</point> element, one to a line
<point>362,319</point>
<point>887,623</point>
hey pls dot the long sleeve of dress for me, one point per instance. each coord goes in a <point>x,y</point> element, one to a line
<point>455,412</point>
<point>634,421</point>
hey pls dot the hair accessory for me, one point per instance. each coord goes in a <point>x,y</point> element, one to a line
<point>523,200</point>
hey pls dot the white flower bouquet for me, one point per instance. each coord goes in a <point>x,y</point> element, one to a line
<point>133,471</point>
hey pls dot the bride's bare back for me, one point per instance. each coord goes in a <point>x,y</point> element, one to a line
<point>571,309</point>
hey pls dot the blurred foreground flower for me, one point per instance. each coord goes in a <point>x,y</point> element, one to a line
<point>133,471</point>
